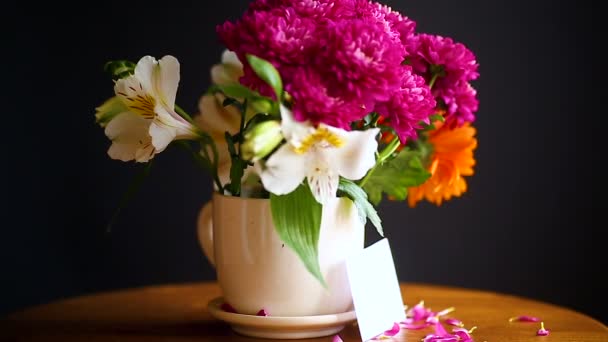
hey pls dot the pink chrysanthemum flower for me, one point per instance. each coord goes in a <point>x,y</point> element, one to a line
<point>361,62</point>
<point>457,61</point>
<point>320,9</point>
<point>408,106</point>
<point>461,103</point>
<point>315,103</point>
<point>449,66</point>
<point>339,60</point>
<point>394,23</point>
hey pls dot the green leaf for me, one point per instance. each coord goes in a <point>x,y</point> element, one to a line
<point>237,167</point>
<point>437,117</point>
<point>297,220</point>
<point>397,174</point>
<point>365,209</point>
<point>268,73</point>
<point>238,91</point>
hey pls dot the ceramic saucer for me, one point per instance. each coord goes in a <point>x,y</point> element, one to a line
<point>281,327</point>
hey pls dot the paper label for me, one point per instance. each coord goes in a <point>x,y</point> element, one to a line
<point>375,289</point>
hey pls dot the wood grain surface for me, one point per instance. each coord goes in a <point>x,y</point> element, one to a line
<point>178,313</point>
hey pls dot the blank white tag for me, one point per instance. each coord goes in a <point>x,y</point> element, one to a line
<point>375,290</point>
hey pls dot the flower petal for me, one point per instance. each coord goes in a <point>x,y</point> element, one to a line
<point>262,313</point>
<point>436,338</point>
<point>542,331</point>
<point>337,338</point>
<point>323,182</point>
<point>228,308</point>
<point>162,135</point>
<point>283,171</point>
<point>394,330</point>
<point>454,322</point>
<point>144,71</point>
<point>130,139</point>
<point>167,80</point>
<point>524,318</point>
<point>294,131</point>
<point>357,156</point>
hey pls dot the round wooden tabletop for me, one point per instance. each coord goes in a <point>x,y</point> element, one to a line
<point>178,313</point>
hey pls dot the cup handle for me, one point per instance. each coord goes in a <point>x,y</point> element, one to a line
<point>205,231</point>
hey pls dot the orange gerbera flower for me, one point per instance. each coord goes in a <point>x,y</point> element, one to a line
<point>452,159</point>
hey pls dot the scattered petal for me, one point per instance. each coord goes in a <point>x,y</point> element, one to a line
<point>454,322</point>
<point>436,338</point>
<point>228,308</point>
<point>394,331</point>
<point>440,330</point>
<point>389,333</point>
<point>337,339</point>
<point>524,318</point>
<point>262,313</point>
<point>419,312</point>
<point>542,331</point>
<point>463,334</point>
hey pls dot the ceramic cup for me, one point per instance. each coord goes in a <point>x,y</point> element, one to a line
<point>256,270</point>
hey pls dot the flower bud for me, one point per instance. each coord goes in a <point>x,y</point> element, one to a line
<point>262,139</point>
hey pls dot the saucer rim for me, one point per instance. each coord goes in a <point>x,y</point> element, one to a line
<point>343,318</point>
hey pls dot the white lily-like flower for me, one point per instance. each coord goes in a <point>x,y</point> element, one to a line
<point>150,121</point>
<point>320,154</point>
<point>228,71</point>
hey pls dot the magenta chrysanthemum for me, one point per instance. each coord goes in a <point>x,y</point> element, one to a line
<point>450,66</point>
<point>458,62</point>
<point>461,103</point>
<point>361,62</point>
<point>319,105</point>
<point>408,106</point>
<point>339,60</point>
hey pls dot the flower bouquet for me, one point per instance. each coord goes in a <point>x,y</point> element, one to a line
<point>312,101</point>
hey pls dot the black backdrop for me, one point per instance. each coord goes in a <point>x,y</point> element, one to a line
<point>524,227</point>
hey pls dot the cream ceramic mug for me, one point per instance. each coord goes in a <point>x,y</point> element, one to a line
<point>256,270</point>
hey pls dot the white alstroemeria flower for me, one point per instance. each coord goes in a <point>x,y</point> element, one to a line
<point>228,71</point>
<point>320,154</point>
<point>150,122</point>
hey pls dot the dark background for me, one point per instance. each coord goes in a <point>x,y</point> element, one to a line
<point>524,227</point>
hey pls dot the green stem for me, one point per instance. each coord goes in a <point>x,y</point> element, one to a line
<point>387,152</point>
<point>433,79</point>
<point>183,114</point>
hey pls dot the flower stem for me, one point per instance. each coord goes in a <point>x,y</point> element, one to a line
<point>183,114</point>
<point>433,79</point>
<point>387,152</point>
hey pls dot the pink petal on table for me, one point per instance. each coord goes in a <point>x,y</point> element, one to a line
<point>463,334</point>
<point>440,330</point>
<point>524,318</point>
<point>453,322</point>
<point>337,339</point>
<point>542,331</point>
<point>389,333</point>
<point>419,312</point>
<point>228,308</point>
<point>394,331</point>
<point>262,313</point>
<point>436,338</point>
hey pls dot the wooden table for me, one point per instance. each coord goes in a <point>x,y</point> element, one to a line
<point>178,313</point>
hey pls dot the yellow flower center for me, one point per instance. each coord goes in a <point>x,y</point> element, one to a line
<point>322,137</point>
<point>140,103</point>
